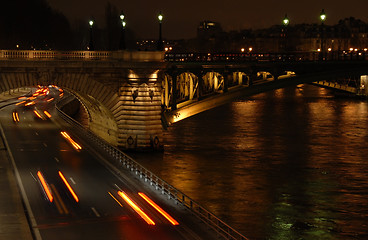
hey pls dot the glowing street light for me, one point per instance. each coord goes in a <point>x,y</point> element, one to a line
<point>90,45</point>
<point>285,21</point>
<point>122,45</point>
<point>159,43</point>
<point>322,16</point>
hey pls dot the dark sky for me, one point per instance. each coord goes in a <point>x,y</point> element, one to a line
<point>181,17</point>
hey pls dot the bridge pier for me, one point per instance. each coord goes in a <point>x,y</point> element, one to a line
<point>139,113</point>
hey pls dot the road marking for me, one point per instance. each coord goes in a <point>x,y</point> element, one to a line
<point>95,212</point>
<point>33,176</point>
<point>72,180</point>
<point>36,133</point>
<point>45,144</point>
<point>56,159</point>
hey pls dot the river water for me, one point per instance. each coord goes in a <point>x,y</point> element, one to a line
<point>286,164</point>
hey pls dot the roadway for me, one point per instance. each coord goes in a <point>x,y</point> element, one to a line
<point>93,205</point>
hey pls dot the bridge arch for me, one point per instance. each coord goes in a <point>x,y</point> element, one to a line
<point>212,82</point>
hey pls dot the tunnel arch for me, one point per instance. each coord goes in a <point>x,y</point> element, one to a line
<point>102,120</point>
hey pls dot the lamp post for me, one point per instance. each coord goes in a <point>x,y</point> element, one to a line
<point>285,22</point>
<point>122,45</point>
<point>159,43</point>
<point>322,16</point>
<point>90,45</point>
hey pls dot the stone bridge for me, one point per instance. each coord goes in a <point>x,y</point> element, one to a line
<point>130,96</point>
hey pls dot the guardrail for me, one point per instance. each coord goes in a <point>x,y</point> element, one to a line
<point>124,161</point>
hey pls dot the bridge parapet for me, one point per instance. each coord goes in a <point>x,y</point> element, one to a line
<point>129,56</point>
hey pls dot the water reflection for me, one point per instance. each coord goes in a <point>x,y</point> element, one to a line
<point>287,164</point>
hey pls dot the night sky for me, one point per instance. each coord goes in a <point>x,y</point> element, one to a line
<point>181,17</point>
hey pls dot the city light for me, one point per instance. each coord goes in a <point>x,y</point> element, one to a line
<point>286,20</point>
<point>91,23</point>
<point>329,49</point>
<point>250,49</point>
<point>160,17</point>
<point>323,15</point>
<point>242,49</point>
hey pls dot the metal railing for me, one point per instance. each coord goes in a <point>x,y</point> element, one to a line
<point>121,160</point>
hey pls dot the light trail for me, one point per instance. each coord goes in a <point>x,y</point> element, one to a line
<point>115,199</point>
<point>15,117</point>
<point>47,114</point>
<point>69,187</point>
<point>20,103</point>
<point>75,145</point>
<point>136,208</point>
<point>45,186</point>
<point>158,208</point>
<point>37,114</point>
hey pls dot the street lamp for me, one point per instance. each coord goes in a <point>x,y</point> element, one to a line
<point>285,22</point>
<point>122,45</point>
<point>90,45</point>
<point>159,43</point>
<point>322,16</point>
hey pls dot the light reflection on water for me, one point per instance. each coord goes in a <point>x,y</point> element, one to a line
<point>287,164</point>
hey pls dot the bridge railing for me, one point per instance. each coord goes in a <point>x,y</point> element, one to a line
<point>120,159</point>
<point>267,57</point>
<point>135,56</point>
<point>34,54</point>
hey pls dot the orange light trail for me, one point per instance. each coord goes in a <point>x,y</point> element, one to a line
<point>38,115</point>
<point>158,208</point>
<point>115,199</point>
<point>22,97</point>
<point>47,114</point>
<point>69,187</point>
<point>30,103</point>
<point>75,145</point>
<point>15,117</point>
<point>20,103</point>
<point>136,208</point>
<point>50,99</point>
<point>44,185</point>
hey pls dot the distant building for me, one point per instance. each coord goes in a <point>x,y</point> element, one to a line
<point>348,34</point>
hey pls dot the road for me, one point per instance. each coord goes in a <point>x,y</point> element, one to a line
<point>97,210</point>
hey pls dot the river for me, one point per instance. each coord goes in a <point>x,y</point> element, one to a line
<point>286,164</point>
